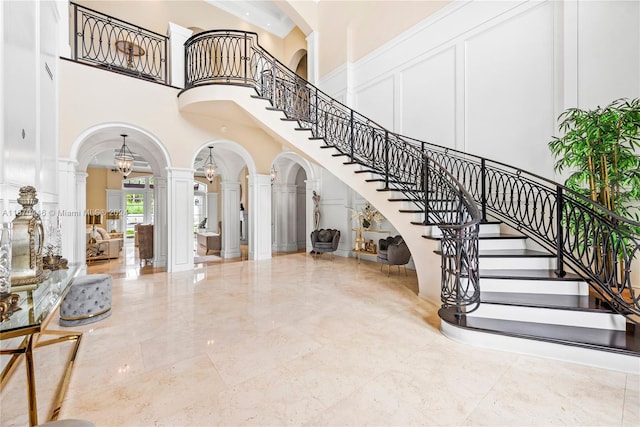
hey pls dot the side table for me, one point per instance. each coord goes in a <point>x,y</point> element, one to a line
<point>37,305</point>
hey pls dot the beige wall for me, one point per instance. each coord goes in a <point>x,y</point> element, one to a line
<point>96,195</point>
<point>349,30</point>
<point>115,98</point>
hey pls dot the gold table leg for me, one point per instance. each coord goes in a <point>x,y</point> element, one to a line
<point>26,348</point>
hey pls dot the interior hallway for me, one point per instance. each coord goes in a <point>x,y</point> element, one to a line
<point>298,341</point>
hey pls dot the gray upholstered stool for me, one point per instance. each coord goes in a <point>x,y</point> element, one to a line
<point>68,423</point>
<point>88,300</point>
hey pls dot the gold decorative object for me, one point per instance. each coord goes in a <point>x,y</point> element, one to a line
<point>27,242</point>
<point>9,304</point>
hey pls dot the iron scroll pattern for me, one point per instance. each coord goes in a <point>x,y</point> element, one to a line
<point>118,45</point>
<point>456,190</point>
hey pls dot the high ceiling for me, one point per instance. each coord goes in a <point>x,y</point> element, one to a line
<point>261,13</point>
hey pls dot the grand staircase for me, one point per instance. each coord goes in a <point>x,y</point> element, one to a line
<point>500,234</point>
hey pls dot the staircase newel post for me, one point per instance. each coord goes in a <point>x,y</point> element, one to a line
<point>483,182</point>
<point>559,232</point>
<point>386,159</point>
<point>351,135</point>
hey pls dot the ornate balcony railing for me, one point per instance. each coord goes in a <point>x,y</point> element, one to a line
<point>455,189</point>
<point>118,45</point>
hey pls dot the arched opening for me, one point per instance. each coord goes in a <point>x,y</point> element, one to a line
<point>298,63</point>
<point>230,200</point>
<point>292,203</point>
<point>101,189</point>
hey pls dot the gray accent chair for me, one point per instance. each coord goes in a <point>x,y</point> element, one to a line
<point>393,251</point>
<point>325,240</point>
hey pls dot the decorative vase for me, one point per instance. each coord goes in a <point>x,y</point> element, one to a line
<point>5,258</point>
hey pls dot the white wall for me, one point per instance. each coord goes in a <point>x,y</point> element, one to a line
<point>28,105</point>
<point>491,78</point>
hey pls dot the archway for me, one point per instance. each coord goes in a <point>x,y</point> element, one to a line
<point>106,137</point>
<point>239,182</point>
<point>298,63</point>
<point>293,206</point>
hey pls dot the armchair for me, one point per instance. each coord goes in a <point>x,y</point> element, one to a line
<point>325,240</point>
<point>393,251</point>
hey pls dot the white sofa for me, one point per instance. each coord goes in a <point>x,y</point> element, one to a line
<point>105,247</point>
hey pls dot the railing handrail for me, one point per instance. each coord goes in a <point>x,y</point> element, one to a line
<point>119,20</point>
<point>563,206</point>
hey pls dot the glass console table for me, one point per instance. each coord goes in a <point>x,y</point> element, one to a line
<point>23,331</point>
<point>361,246</point>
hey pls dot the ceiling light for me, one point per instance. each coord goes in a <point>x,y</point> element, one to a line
<point>210,167</point>
<point>124,158</point>
<point>273,173</point>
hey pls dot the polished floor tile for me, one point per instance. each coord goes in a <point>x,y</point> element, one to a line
<point>298,341</point>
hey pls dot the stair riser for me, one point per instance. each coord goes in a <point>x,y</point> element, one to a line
<point>434,230</point>
<point>551,316</point>
<point>551,287</point>
<point>492,244</point>
<point>517,263</point>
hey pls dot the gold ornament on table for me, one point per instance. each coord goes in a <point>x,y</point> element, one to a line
<point>366,216</point>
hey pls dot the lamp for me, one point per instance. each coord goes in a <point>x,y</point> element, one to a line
<point>92,220</point>
<point>210,167</point>
<point>273,173</point>
<point>124,158</point>
<point>111,217</point>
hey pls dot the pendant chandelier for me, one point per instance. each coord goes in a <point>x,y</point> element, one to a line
<point>210,167</point>
<point>273,173</point>
<point>124,158</point>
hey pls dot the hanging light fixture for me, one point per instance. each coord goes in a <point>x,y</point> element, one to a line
<point>124,158</point>
<point>273,173</point>
<point>210,167</point>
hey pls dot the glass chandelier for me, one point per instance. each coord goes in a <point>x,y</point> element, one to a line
<point>124,158</point>
<point>273,173</point>
<point>210,167</point>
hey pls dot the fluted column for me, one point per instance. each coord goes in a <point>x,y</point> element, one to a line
<point>160,228</point>
<point>71,208</point>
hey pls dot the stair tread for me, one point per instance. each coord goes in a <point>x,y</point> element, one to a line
<point>510,253</point>
<point>527,274</point>
<point>626,342</point>
<point>565,302</point>
<point>481,236</point>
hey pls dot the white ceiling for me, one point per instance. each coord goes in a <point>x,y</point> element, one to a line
<point>261,13</point>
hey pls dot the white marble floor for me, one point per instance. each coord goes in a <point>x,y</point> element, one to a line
<point>298,341</point>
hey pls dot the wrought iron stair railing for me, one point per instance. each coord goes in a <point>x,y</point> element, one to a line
<point>448,185</point>
<point>117,45</point>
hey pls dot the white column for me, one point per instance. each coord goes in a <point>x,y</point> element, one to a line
<point>179,219</point>
<point>71,215</point>
<point>231,219</point>
<point>62,9</point>
<point>212,212</point>
<point>78,215</point>
<point>312,57</point>
<point>160,223</point>
<point>177,36</point>
<point>288,218</point>
<point>312,185</point>
<point>260,217</point>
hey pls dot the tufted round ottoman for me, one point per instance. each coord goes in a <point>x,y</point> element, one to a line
<point>88,300</point>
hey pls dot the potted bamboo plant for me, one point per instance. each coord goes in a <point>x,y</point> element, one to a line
<point>602,149</point>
